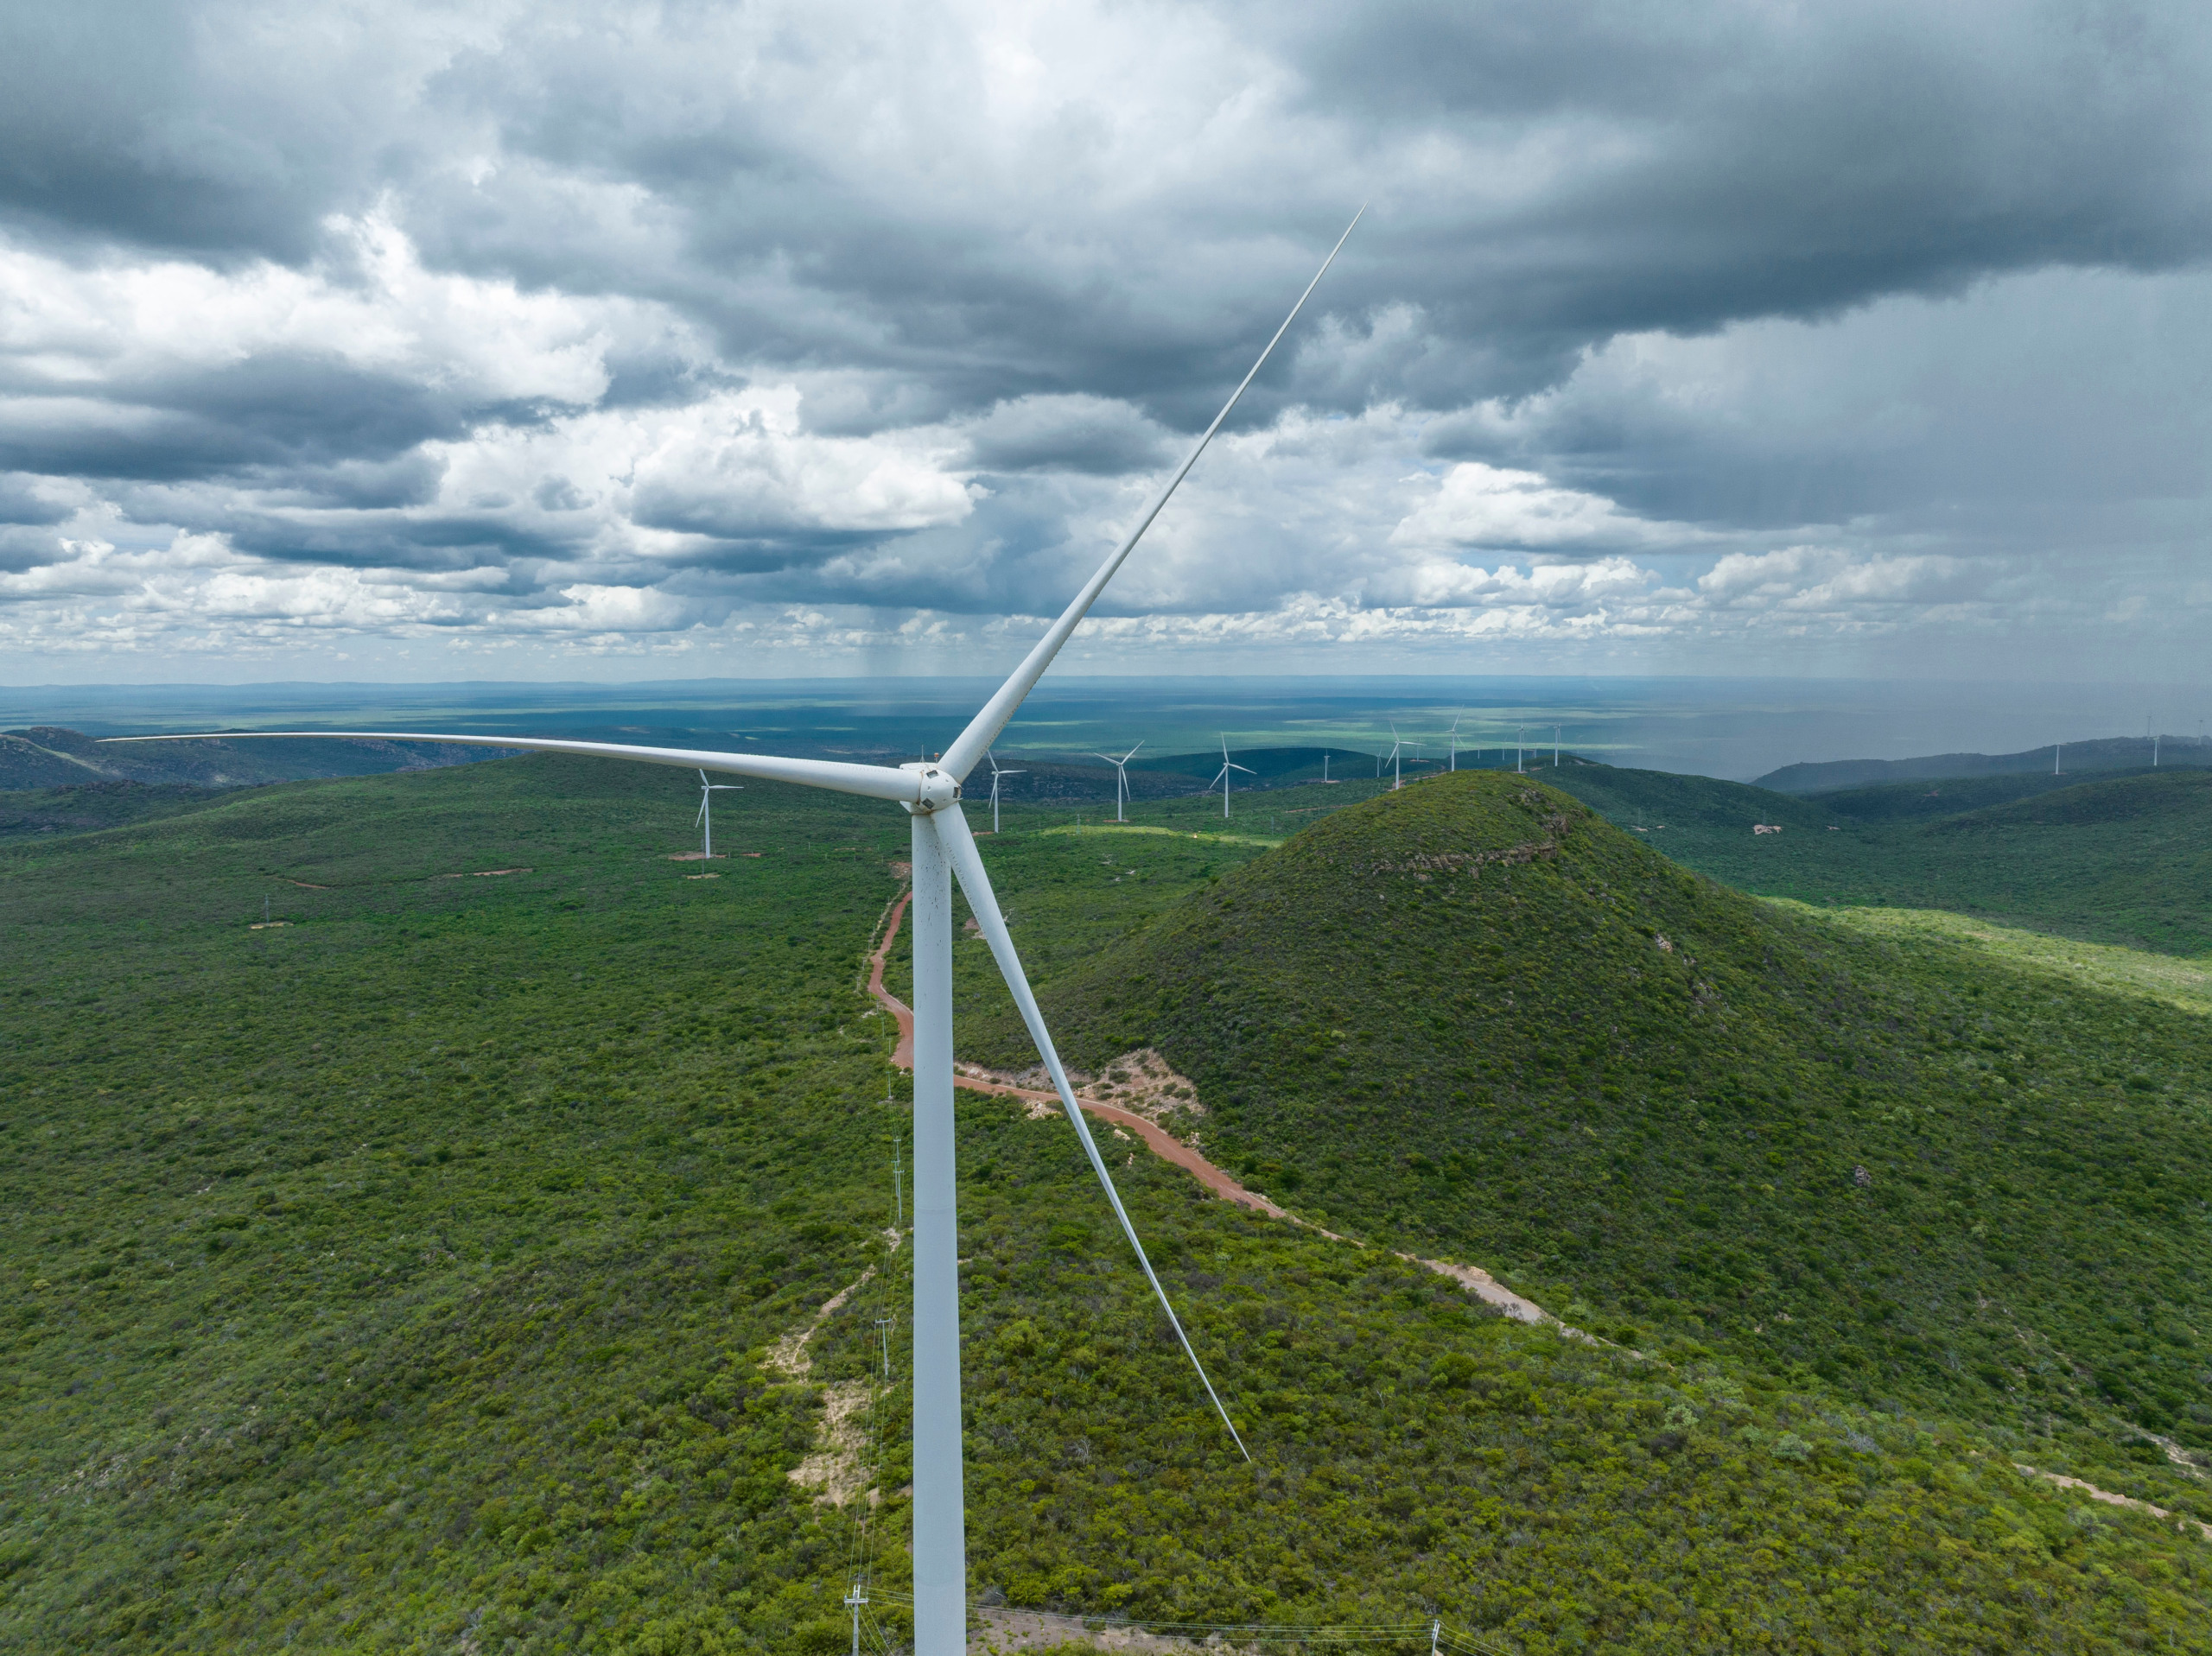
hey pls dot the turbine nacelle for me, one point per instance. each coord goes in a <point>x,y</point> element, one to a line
<point>940,787</point>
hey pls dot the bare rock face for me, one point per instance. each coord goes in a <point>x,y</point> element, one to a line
<point>1140,1082</point>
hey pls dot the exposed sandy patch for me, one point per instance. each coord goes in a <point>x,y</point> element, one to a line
<point>698,856</point>
<point>790,1357</point>
<point>1139,1083</point>
<point>267,925</point>
<point>483,874</point>
<point>1011,1630</point>
<point>2184,1524</point>
<point>1488,1289</point>
<point>834,1468</point>
<point>303,885</point>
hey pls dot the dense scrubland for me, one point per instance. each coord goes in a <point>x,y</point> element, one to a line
<point>406,1276</point>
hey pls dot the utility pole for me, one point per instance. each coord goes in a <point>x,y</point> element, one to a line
<point>854,1600</point>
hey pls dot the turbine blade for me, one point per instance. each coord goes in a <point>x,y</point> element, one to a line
<point>983,729</point>
<point>870,780</point>
<point>968,867</point>
<point>701,817</point>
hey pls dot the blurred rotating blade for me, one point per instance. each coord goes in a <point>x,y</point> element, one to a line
<point>968,867</point>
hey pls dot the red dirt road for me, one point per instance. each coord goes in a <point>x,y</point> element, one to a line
<point>1161,1143</point>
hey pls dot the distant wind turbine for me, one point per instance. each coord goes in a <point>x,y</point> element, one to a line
<point>1221,777</point>
<point>995,774</point>
<point>1121,777</point>
<point>1456,718</point>
<point>1397,780</point>
<point>1520,767</point>
<point>944,849</point>
<point>1554,747</point>
<point>706,818</point>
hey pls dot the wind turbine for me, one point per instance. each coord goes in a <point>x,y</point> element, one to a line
<point>1221,777</point>
<point>1456,718</point>
<point>1396,782</point>
<point>1519,767</point>
<point>1122,777</point>
<point>995,774</point>
<point>706,817</point>
<point>1554,747</point>
<point>944,849</point>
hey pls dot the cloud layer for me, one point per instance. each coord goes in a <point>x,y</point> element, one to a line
<point>781,337</point>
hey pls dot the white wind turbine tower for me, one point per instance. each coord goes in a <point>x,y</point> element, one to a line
<point>944,849</point>
<point>1121,776</point>
<point>1554,747</point>
<point>1221,777</point>
<point>995,774</point>
<point>1456,718</point>
<point>1520,768</point>
<point>706,818</point>
<point>1396,780</point>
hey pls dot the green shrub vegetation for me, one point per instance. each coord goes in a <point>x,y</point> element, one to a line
<point>404,1277</point>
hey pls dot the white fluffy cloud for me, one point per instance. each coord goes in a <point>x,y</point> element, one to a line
<point>828,334</point>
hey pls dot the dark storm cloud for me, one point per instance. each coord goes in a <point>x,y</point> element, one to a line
<point>893,306</point>
<point>1086,434</point>
<point>261,415</point>
<point>1692,165</point>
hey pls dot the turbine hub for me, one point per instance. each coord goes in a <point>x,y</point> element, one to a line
<point>937,786</point>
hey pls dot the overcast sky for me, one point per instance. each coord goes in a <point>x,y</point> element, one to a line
<point>544,341</point>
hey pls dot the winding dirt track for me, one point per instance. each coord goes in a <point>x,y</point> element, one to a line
<point>1162,1144</point>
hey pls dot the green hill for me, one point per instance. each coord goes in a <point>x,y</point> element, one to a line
<point>86,807</point>
<point>2106,753</point>
<point>2124,859</point>
<point>1474,1016</point>
<point>405,1277</point>
<point>1941,797</point>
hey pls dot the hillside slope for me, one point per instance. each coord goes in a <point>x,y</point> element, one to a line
<point>1472,1016</point>
<point>2121,859</point>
